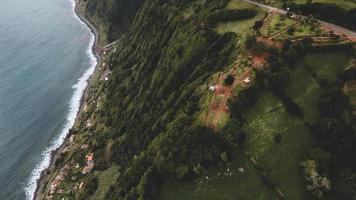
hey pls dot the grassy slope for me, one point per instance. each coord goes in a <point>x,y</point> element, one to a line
<point>241,27</point>
<point>264,120</point>
<point>219,186</point>
<point>304,89</point>
<point>328,64</point>
<point>106,179</point>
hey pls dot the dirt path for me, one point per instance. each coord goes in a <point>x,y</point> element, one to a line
<point>268,20</point>
<point>226,92</point>
<point>283,31</point>
<point>222,107</point>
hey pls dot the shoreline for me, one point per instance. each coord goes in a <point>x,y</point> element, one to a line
<point>41,182</point>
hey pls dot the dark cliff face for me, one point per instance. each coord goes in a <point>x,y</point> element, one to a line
<point>114,16</point>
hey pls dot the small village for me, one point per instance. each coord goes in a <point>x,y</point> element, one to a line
<point>55,186</point>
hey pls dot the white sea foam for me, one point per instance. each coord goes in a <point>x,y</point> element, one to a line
<point>74,106</point>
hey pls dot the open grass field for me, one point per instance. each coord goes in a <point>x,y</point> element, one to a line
<point>305,91</point>
<point>220,185</point>
<point>304,88</point>
<point>328,65</point>
<point>241,27</point>
<point>263,122</point>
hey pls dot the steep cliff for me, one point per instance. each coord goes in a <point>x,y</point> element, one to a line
<point>112,17</point>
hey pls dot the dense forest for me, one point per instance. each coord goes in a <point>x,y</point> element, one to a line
<point>150,102</point>
<point>112,17</point>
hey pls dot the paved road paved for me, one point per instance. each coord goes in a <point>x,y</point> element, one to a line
<point>337,29</point>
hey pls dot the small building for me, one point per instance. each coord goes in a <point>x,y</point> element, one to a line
<point>66,149</point>
<point>85,108</point>
<point>247,80</point>
<point>90,164</point>
<point>60,191</point>
<point>241,170</point>
<point>71,139</point>
<point>81,185</point>
<point>88,124</point>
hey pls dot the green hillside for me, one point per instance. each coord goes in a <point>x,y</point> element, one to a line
<point>195,102</point>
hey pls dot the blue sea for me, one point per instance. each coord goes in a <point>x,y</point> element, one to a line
<point>45,62</point>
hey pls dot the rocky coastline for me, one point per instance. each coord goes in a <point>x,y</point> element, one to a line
<point>42,181</point>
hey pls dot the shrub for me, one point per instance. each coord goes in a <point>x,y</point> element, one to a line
<point>229,80</point>
<point>316,184</point>
<point>225,15</point>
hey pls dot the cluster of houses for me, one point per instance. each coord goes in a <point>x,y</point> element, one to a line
<point>58,180</point>
<point>89,166</point>
<point>64,172</point>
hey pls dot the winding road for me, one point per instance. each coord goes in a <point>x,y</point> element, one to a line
<point>332,27</point>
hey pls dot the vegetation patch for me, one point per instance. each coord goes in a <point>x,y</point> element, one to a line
<point>241,27</point>
<point>105,180</point>
<point>264,121</point>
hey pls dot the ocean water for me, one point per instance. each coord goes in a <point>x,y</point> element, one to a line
<point>45,61</point>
